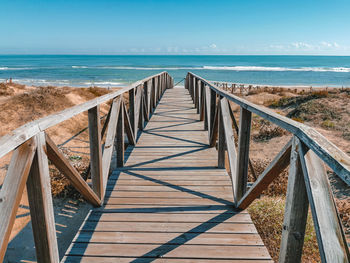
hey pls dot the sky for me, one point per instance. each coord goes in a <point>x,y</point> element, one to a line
<point>235,27</point>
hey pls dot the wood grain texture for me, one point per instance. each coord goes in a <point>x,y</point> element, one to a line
<point>41,207</point>
<point>296,210</point>
<point>12,189</point>
<point>67,169</point>
<point>330,235</point>
<point>170,200</point>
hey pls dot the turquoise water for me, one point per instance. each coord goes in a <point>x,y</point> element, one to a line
<point>78,70</point>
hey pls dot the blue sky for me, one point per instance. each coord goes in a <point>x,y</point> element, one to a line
<point>318,27</point>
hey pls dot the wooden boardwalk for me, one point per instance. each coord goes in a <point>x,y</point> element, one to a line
<point>170,202</point>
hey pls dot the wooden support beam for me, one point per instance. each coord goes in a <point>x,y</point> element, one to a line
<point>153,95</point>
<point>207,108</point>
<point>214,128</point>
<point>330,235</point>
<point>41,207</point>
<point>243,152</point>
<point>119,141</point>
<point>145,110</point>
<point>230,143</point>
<point>212,110</point>
<point>138,98</point>
<point>279,163</point>
<point>221,144</point>
<point>96,151</point>
<point>132,110</point>
<point>296,210</point>
<point>128,129</point>
<point>197,95</point>
<point>12,189</point>
<point>141,119</point>
<point>67,169</point>
<point>202,103</point>
<point>111,133</point>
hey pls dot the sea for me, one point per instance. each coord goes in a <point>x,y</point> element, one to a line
<point>121,70</point>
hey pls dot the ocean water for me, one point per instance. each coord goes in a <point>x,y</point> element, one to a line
<point>87,70</point>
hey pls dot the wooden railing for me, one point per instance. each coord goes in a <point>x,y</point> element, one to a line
<point>32,148</point>
<point>305,154</point>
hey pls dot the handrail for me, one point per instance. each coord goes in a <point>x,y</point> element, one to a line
<point>32,148</point>
<point>305,153</point>
<point>326,150</point>
<point>18,136</point>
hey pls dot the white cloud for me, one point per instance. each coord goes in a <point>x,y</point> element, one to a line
<point>301,45</point>
<point>213,46</point>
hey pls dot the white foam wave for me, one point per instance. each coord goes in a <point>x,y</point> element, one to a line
<point>7,68</point>
<point>103,83</point>
<point>79,67</point>
<point>256,68</point>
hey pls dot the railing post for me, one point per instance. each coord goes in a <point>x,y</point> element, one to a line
<point>197,95</point>
<point>153,94</point>
<point>119,141</point>
<point>96,151</point>
<point>41,207</point>
<point>203,102</point>
<point>132,110</point>
<point>296,210</point>
<point>221,144</point>
<point>243,153</point>
<point>212,109</point>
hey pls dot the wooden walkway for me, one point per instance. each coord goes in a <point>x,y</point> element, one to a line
<point>170,203</point>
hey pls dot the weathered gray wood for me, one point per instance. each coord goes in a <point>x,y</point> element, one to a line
<point>197,95</point>
<point>119,142</point>
<point>214,127</point>
<point>110,137</point>
<point>25,132</point>
<point>296,210</point>
<point>132,111</point>
<point>230,144</point>
<point>221,141</point>
<point>141,113</point>
<point>330,235</point>
<point>212,110</point>
<point>128,129</point>
<point>202,102</point>
<point>96,151</point>
<point>243,152</point>
<point>138,106</point>
<point>67,169</point>
<point>208,109</point>
<point>12,190</point>
<point>279,163</point>
<point>327,151</point>
<point>41,207</point>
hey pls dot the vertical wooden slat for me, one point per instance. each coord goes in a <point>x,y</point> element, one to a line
<point>141,113</point>
<point>330,235</point>
<point>96,151</point>
<point>153,94</point>
<point>221,144</point>
<point>212,109</point>
<point>230,143</point>
<point>129,133</point>
<point>296,210</point>
<point>119,142</point>
<point>243,153</point>
<point>197,95</point>
<point>132,110</point>
<point>110,138</point>
<point>41,207</point>
<point>202,103</point>
<point>12,190</point>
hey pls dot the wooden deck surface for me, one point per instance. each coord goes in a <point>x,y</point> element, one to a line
<point>170,203</point>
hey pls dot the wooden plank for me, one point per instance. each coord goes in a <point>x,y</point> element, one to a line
<point>330,235</point>
<point>67,169</point>
<point>41,207</point>
<point>243,153</point>
<point>110,138</point>
<point>119,142</point>
<point>279,163</point>
<point>128,128</point>
<point>212,110</point>
<point>296,210</point>
<point>12,189</point>
<point>231,148</point>
<point>221,141</point>
<point>214,127</point>
<point>96,152</point>
<point>172,251</point>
